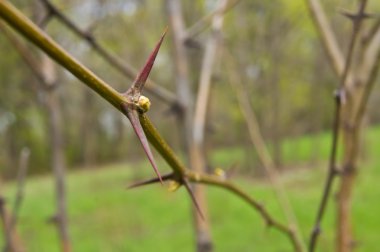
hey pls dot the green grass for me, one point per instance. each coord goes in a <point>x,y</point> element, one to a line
<point>106,217</point>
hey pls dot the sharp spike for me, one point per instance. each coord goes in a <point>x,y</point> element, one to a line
<point>193,199</point>
<point>134,119</point>
<point>141,78</point>
<point>150,181</point>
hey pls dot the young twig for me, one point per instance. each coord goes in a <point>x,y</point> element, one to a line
<point>340,98</point>
<point>19,22</point>
<point>332,172</point>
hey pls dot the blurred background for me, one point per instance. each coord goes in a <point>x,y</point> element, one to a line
<point>270,50</point>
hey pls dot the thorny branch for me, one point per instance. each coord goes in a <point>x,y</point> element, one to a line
<point>23,25</point>
<point>340,98</point>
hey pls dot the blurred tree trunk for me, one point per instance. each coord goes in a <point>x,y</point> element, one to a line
<point>54,110</point>
<point>11,237</point>
<point>53,106</point>
<point>185,118</point>
<point>184,94</point>
<point>197,152</point>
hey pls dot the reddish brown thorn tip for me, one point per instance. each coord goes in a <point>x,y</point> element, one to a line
<point>193,199</point>
<point>134,119</point>
<point>140,80</point>
<point>150,181</point>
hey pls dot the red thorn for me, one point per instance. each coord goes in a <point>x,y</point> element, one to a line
<point>150,181</point>
<point>194,200</point>
<point>140,80</point>
<point>134,119</point>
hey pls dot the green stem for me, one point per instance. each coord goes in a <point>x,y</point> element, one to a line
<point>161,146</point>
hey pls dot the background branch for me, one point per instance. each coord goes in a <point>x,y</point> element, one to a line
<point>259,144</point>
<point>368,73</point>
<point>206,21</point>
<point>326,35</point>
<point>342,107</point>
<point>122,66</point>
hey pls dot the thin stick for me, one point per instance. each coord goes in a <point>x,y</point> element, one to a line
<point>206,21</point>
<point>261,148</point>
<point>332,173</point>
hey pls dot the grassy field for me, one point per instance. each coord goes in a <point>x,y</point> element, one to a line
<point>104,216</point>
